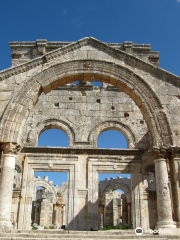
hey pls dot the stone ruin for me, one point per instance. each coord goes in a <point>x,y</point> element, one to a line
<point>49,203</point>
<point>137,98</point>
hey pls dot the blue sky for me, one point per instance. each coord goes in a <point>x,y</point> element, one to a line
<point>155,22</point>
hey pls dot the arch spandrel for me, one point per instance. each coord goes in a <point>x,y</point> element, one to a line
<point>61,73</point>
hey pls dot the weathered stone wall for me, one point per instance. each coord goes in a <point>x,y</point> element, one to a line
<point>83,113</point>
<point>162,83</point>
<point>143,105</point>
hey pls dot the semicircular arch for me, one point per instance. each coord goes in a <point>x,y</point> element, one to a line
<point>31,139</point>
<point>113,125</point>
<point>122,77</point>
<point>42,183</point>
<point>112,186</point>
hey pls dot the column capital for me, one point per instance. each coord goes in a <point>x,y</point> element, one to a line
<point>174,152</point>
<point>10,148</point>
<point>159,153</point>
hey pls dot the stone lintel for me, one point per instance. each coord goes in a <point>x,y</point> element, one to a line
<point>124,152</point>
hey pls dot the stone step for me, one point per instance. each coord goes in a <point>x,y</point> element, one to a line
<point>58,231</point>
<point>90,238</point>
<point>80,236</point>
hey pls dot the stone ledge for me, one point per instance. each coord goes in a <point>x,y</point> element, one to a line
<point>100,151</point>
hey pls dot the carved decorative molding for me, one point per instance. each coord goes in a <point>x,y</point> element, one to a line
<point>119,54</point>
<point>174,152</point>
<point>55,150</point>
<point>170,153</point>
<point>159,153</point>
<point>158,123</point>
<point>10,148</point>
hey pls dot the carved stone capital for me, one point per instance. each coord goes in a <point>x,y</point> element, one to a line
<point>159,153</point>
<point>10,148</point>
<point>174,152</point>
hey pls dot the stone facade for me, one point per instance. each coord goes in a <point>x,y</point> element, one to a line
<point>137,98</point>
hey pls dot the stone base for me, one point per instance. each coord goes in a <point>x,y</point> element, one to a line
<point>167,231</point>
<point>5,226</point>
<point>167,228</point>
<point>165,224</point>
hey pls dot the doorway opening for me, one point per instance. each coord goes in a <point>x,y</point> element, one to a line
<point>115,200</point>
<point>49,200</point>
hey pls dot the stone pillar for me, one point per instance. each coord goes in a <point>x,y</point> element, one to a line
<point>101,221</point>
<point>43,211</point>
<point>6,185</point>
<point>64,215</point>
<point>137,200</point>
<point>35,214</point>
<point>93,196</point>
<point>56,215</point>
<point>162,189</point>
<point>175,182</point>
<point>115,211</point>
<point>25,209</point>
<point>129,213</point>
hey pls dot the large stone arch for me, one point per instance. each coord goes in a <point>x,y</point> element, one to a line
<point>58,74</point>
<point>32,138</point>
<point>113,125</point>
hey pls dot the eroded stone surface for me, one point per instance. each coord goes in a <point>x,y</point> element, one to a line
<point>137,98</point>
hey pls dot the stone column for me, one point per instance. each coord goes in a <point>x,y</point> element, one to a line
<point>137,200</point>
<point>175,182</point>
<point>43,211</point>
<point>64,215</point>
<point>6,185</point>
<point>115,211</point>
<point>162,189</point>
<point>129,213</point>
<point>56,215</point>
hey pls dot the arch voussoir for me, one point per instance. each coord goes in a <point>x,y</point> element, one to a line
<point>62,73</point>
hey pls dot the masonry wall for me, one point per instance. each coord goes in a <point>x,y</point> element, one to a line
<point>84,108</point>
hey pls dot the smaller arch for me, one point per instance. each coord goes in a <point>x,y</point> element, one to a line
<point>113,125</point>
<point>33,135</point>
<point>122,186</point>
<point>44,184</point>
<point>120,183</point>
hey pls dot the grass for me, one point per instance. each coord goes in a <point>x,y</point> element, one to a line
<point>51,227</point>
<point>34,228</point>
<point>118,227</point>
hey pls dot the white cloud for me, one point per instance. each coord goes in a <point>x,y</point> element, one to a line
<point>65,12</point>
<point>178,0</point>
<point>77,21</point>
